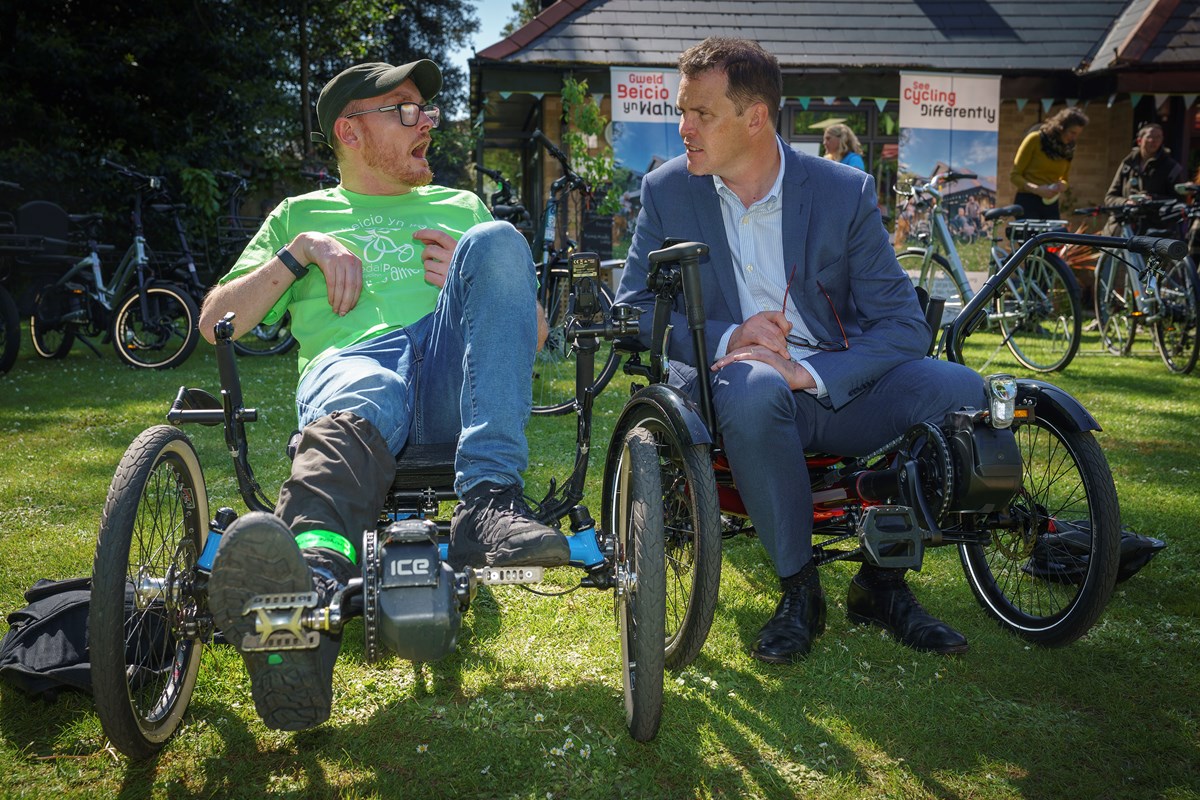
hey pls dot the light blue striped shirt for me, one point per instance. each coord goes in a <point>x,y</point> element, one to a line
<point>755,236</point>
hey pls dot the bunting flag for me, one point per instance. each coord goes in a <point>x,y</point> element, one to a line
<point>881,102</point>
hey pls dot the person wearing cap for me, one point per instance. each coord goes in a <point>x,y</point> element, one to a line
<point>417,319</point>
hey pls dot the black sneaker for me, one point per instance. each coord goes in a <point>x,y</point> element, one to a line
<point>492,527</point>
<point>291,671</point>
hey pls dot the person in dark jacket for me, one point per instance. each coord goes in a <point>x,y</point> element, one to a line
<point>1148,170</point>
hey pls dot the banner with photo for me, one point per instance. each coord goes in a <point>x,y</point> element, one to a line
<point>644,134</point>
<point>950,123</point>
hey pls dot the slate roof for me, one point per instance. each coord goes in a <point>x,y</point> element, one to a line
<point>1152,33</point>
<point>990,36</point>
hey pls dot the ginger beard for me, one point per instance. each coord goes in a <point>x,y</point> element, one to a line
<point>403,161</point>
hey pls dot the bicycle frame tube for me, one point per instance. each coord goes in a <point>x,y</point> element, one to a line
<point>942,236</point>
<point>974,312</point>
<point>134,259</point>
<point>1145,295</point>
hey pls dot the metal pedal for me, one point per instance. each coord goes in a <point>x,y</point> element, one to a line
<point>278,622</point>
<point>497,576</point>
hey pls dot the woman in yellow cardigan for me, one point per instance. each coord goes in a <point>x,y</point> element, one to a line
<point>1043,163</point>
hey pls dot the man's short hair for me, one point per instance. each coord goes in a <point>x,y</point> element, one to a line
<point>753,73</point>
<point>1146,128</point>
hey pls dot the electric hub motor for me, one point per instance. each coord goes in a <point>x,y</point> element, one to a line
<point>412,605</point>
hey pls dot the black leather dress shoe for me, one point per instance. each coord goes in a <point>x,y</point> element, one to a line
<point>799,618</point>
<point>893,607</point>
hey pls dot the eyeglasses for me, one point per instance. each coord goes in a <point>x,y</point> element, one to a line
<point>827,347</point>
<point>410,113</point>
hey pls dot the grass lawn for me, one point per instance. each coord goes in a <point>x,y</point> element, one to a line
<point>530,704</point>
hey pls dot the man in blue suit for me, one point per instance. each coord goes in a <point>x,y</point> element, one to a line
<point>815,336</point>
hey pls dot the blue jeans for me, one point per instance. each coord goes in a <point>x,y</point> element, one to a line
<point>461,373</point>
<point>767,428</point>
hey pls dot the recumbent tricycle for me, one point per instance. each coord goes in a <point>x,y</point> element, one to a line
<point>1021,488</point>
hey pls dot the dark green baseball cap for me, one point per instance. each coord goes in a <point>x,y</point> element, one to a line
<point>371,80</point>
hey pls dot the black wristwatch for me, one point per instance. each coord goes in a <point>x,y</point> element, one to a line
<point>289,261</point>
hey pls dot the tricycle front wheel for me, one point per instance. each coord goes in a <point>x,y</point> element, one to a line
<point>146,622</point>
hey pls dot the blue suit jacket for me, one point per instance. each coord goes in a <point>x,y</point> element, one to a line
<point>832,232</point>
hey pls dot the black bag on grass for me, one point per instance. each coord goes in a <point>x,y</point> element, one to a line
<point>1062,556</point>
<point>46,648</point>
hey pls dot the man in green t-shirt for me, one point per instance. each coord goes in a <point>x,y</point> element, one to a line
<point>417,321</point>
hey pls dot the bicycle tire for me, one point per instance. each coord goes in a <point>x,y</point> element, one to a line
<point>1048,576</point>
<point>52,338</point>
<point>554,366</point>
<point>1175,331</point>
<point>166,338</point>
<point>146,608</point>
<point>936,277</point>
<point>692,531</point>
<point>10,331</point>
<point>640,594</point>
<point>1040,313</point>
<point>1113,305</point>
<point>267,340</point>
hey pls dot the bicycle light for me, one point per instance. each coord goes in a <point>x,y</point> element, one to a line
<point>1002,397</point>
<point>585,278</point>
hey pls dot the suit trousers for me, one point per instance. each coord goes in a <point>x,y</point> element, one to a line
<point>767,428</point>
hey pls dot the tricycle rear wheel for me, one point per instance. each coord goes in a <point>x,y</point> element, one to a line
<point>1049,574</point>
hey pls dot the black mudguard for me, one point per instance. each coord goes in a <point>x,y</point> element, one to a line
<point>1055,405</point>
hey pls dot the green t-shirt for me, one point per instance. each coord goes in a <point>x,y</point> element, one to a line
<point>378,229</point>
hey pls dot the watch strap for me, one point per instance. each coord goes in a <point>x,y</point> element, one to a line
<point>289,261</point>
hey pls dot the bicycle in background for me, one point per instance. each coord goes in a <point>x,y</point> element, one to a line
<point>554,379</point>
<point>1133,292</point>
<point>1038,310</point>
<point>234,232</point>
<point>150,321</point>
<point>10,320</point>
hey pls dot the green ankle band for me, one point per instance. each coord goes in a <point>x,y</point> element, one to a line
<point>330,541</point>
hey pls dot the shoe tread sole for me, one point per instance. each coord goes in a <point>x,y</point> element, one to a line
<point>259,557</point>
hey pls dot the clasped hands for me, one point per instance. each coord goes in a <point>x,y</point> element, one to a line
<point>763,338</point>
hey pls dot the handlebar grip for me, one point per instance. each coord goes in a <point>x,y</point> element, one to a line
<point>1154,246</point>
<point>554,151</point>
<point>503,212</point>
<point>494,174</point>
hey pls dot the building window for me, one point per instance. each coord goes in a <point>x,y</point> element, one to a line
<point>878,132</point>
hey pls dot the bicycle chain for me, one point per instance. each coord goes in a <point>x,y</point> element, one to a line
<point>371,594</point>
